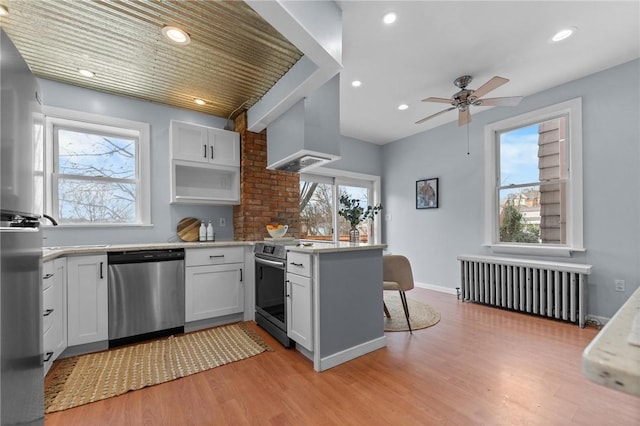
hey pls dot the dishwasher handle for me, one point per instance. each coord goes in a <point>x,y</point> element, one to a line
<point>141,256</point>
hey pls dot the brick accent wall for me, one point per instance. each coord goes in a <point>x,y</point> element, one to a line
<point>266,196</point>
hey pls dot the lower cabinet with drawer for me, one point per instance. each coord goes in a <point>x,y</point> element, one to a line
<point>214,282</point>
<point>300,299</point>
<point>54,320</point>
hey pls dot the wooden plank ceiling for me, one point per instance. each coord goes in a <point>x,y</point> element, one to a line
<point>234,56</point>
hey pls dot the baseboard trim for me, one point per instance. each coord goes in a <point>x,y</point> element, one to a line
<point>602,320</point>
<point>351,353</point>
<point>447,290</point>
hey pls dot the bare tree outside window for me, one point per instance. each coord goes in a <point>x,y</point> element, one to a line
<point>95,176</point>
<point>317,210</point>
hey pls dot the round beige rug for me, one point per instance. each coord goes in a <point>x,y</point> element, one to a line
<point>421,315</point>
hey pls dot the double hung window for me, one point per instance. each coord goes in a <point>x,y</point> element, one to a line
<point>98,170</point>
<point>534,182</point>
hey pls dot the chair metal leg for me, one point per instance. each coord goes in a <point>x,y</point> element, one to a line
<point>405,305</point>
<point>386,311</point>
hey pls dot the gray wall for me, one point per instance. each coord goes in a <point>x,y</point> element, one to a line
<point>358,156</point>
<point>432,238</point>
<point>164,216</point>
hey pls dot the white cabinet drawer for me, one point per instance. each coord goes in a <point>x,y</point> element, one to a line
<point>49,343</point>
<point>48,307</point>
<point>47,275</point>
<point>214,256</point>
<point>299,263</point>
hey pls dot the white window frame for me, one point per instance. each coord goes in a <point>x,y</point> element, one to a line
<point>572,109</point>
<point>337,178</point>
<point>100,124</point>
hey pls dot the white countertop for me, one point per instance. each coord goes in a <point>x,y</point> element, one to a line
<point>331,247</point>
<point>49,253</point>
<point>609,359</point>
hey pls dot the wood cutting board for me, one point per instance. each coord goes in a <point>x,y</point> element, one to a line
<point>189,229</point>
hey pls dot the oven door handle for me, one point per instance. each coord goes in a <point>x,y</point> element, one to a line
<point>267,262</point>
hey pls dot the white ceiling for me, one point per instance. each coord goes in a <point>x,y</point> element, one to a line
<point>433,42</point>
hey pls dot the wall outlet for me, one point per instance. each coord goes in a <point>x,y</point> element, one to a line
<point>223,222</point>
<point>619,285</point>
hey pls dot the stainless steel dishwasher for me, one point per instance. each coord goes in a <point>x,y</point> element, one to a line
<point>146,295</point>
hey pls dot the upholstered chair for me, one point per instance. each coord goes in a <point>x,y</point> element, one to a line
<point>397,275</point>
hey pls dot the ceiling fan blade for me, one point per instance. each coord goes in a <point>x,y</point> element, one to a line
<point>508,101</point>
<point>434,115</point>
<point>464,117</point>
<point>440,100</point>
<point>490,85</point>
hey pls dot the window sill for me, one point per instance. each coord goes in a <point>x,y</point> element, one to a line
<point>551,251</point>
<point>98,225</point>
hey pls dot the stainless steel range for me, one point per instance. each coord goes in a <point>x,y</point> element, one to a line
<point>271,313</point>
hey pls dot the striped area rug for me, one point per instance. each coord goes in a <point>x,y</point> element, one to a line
<point>93,377</point>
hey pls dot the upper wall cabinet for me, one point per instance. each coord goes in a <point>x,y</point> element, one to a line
<point>205,165</point>
<point>191,142</point>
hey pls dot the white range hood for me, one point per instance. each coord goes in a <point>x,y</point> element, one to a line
<point>308,134</point>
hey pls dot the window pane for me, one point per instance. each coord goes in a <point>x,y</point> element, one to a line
<point>361,194</point>
<point>88,154</point>
<point>519,156</point>
<point>534,153</point>
<point>316,210</point>
<point>86,201</point>
<point>533,214</point>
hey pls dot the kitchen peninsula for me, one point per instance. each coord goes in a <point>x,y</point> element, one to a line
<point>336,314</point>
<point>346,299</point>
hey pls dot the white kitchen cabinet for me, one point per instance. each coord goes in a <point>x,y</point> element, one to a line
<point>87,299</point>
<point>205,165</point>
<point>214,282</point>
<point>54,283</point>
<point>300,299</point>
<point>191,142</point>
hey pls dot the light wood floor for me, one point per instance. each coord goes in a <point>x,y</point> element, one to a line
<point>478,366</point>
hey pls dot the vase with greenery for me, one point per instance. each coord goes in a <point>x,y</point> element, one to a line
<point>354,213</point>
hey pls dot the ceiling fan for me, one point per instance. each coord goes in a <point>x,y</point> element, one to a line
<point>465,98</point>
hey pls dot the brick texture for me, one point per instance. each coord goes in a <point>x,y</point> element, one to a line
<point>266,196</point>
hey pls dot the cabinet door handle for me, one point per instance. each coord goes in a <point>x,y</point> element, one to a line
<point>204,151</point>
<point>101,275</point>
<point>47,312</point>
<point>48,356</point>
<point>299,265</point>
<point>46,277</point>
<point>212,152</point>
<point>216,256</point>
<point>240,274</point>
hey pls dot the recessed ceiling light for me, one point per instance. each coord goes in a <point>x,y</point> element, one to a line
<point>402,107</point>
<point>389,18</point>
<point>200,101</point>
<point>356,83</point>
<point>86,73</point>
<point>563,34</point>
<point>175,35</point>
<point>3,10</point>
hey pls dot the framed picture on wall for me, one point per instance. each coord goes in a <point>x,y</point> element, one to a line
<point>427,193</point>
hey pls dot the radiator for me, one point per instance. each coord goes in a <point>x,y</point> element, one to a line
<point>550,289</point>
